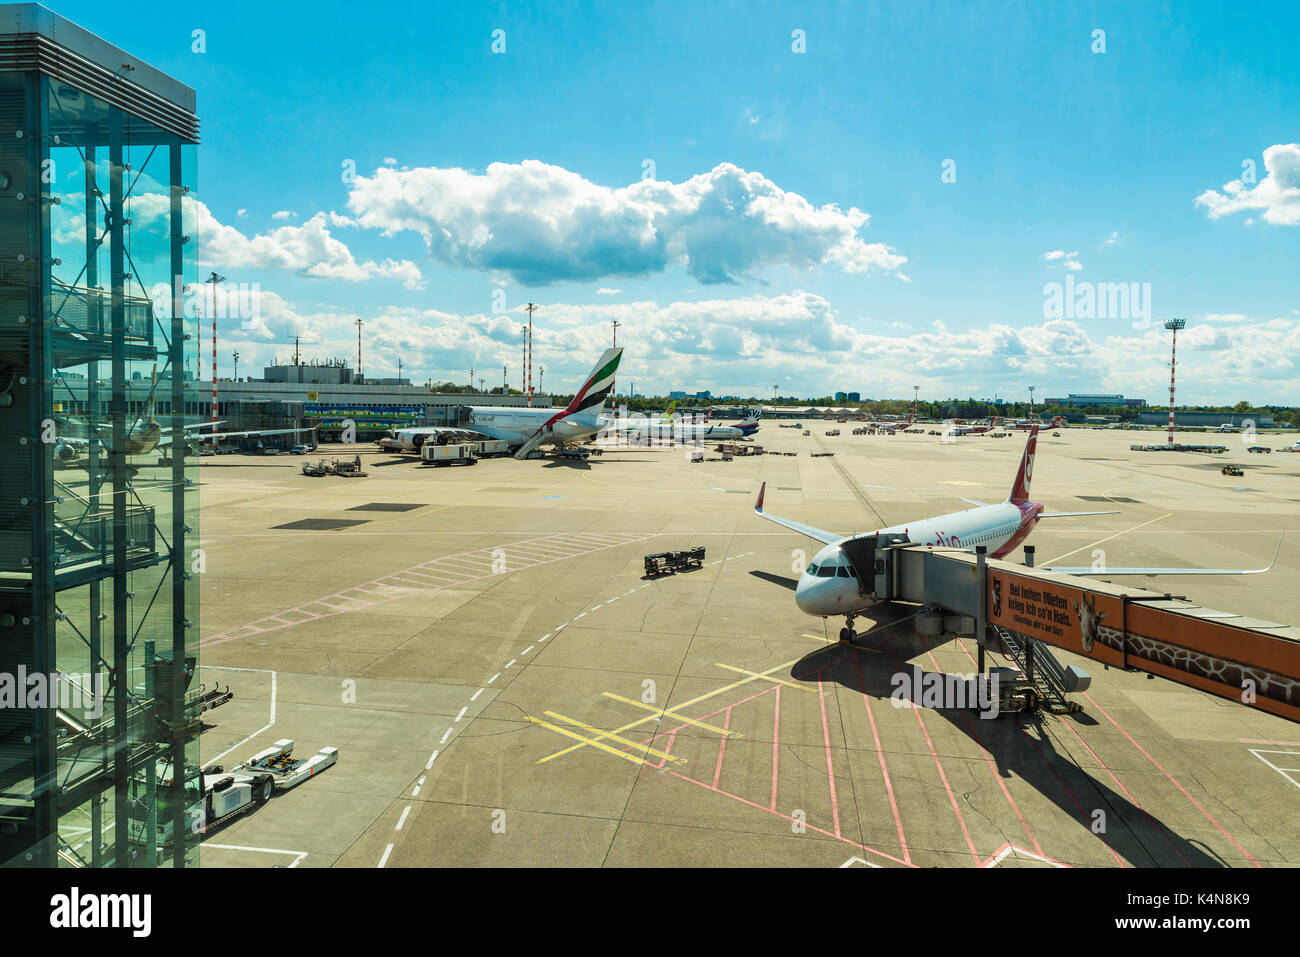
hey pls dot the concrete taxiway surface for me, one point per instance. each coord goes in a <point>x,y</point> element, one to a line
<point>505,688</point>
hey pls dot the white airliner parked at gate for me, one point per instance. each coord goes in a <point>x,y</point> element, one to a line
<point>829,585</point>
<point>643,431</point>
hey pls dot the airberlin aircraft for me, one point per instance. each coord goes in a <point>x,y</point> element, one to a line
<point>829,586</point>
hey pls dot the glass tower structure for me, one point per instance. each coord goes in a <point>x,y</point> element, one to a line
<point>99,562</point>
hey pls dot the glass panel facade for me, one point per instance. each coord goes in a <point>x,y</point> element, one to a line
<point>98,494</point>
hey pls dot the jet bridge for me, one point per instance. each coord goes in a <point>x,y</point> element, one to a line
<point>1231,655</point>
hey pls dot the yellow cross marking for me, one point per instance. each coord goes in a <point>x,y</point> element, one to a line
<point>766,677</point>
<point>640,721</point>
<point>626,742</point>
<point>670,714</point>
<point>578,737</point>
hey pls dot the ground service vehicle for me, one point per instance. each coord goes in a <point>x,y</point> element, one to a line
<point>668,563</point>
<point>228,794</point>
<point>463,454</point>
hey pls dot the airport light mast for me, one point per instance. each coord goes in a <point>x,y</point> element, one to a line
<point>360,377</point>
<point>214,279</point>
<point>532,307</point>
<point>235,356</point>
<point>1173,325</point>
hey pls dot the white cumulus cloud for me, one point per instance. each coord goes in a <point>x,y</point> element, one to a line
<point>308,249</point>
<point>1277,194</point>
<point>543,224</point>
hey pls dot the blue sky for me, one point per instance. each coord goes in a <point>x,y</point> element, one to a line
<point>745,264</point>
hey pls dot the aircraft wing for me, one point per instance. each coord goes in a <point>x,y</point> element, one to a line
<point>1107,572</point>
<point>817,533</point>
<point>1070,514</point>
<point>971,501</point>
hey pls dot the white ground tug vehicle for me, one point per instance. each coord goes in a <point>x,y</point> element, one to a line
<point>227,794</point>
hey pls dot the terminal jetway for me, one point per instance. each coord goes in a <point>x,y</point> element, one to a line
<point>1246,659</point>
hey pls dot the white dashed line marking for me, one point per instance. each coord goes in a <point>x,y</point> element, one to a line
<point>418,784</point>
<point>544,637</point>
<point>432,757</point>
<point>583,615</point>
<point>402,820</point>
<point>528,649</point>
<point>384,860</point>
<point>474,696</point>
<point>445,735</point>
<point>510,662</point>
<point>462,713</point>
<point>494,677</point>
<point>598,607</point>
<point>614,599</point>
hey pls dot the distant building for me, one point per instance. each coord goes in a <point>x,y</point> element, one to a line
<point>706,394</point>
<point>1261,420</point>
<point>1089,399</point>
<point>855,396</point>
<point>677,395</point>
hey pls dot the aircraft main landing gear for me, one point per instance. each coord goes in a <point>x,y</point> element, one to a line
<point>847,634</point>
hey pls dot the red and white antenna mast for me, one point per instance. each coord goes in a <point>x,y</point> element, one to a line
<point>214,279</point>
<point>529,354</point>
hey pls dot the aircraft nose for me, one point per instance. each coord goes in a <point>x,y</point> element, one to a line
<point>801,593</point>
<point>806,595</point>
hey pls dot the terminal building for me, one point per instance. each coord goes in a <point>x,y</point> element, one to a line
<point>289,396</point>
<point>301,395</point>
<point>1238,420</point>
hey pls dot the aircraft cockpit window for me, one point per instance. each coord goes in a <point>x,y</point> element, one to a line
<point>812,569</point>
<point>826,571</point>
<point>846,572</point>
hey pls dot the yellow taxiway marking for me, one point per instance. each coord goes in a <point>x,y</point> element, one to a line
<point>1107,538</point>
<point>626,742</point>
<point>685,704</point>
<point>765,677</point>
<point>595,744</point>
<point>670,714</point>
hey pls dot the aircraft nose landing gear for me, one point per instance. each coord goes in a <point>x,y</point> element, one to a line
<point>847,634</point>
